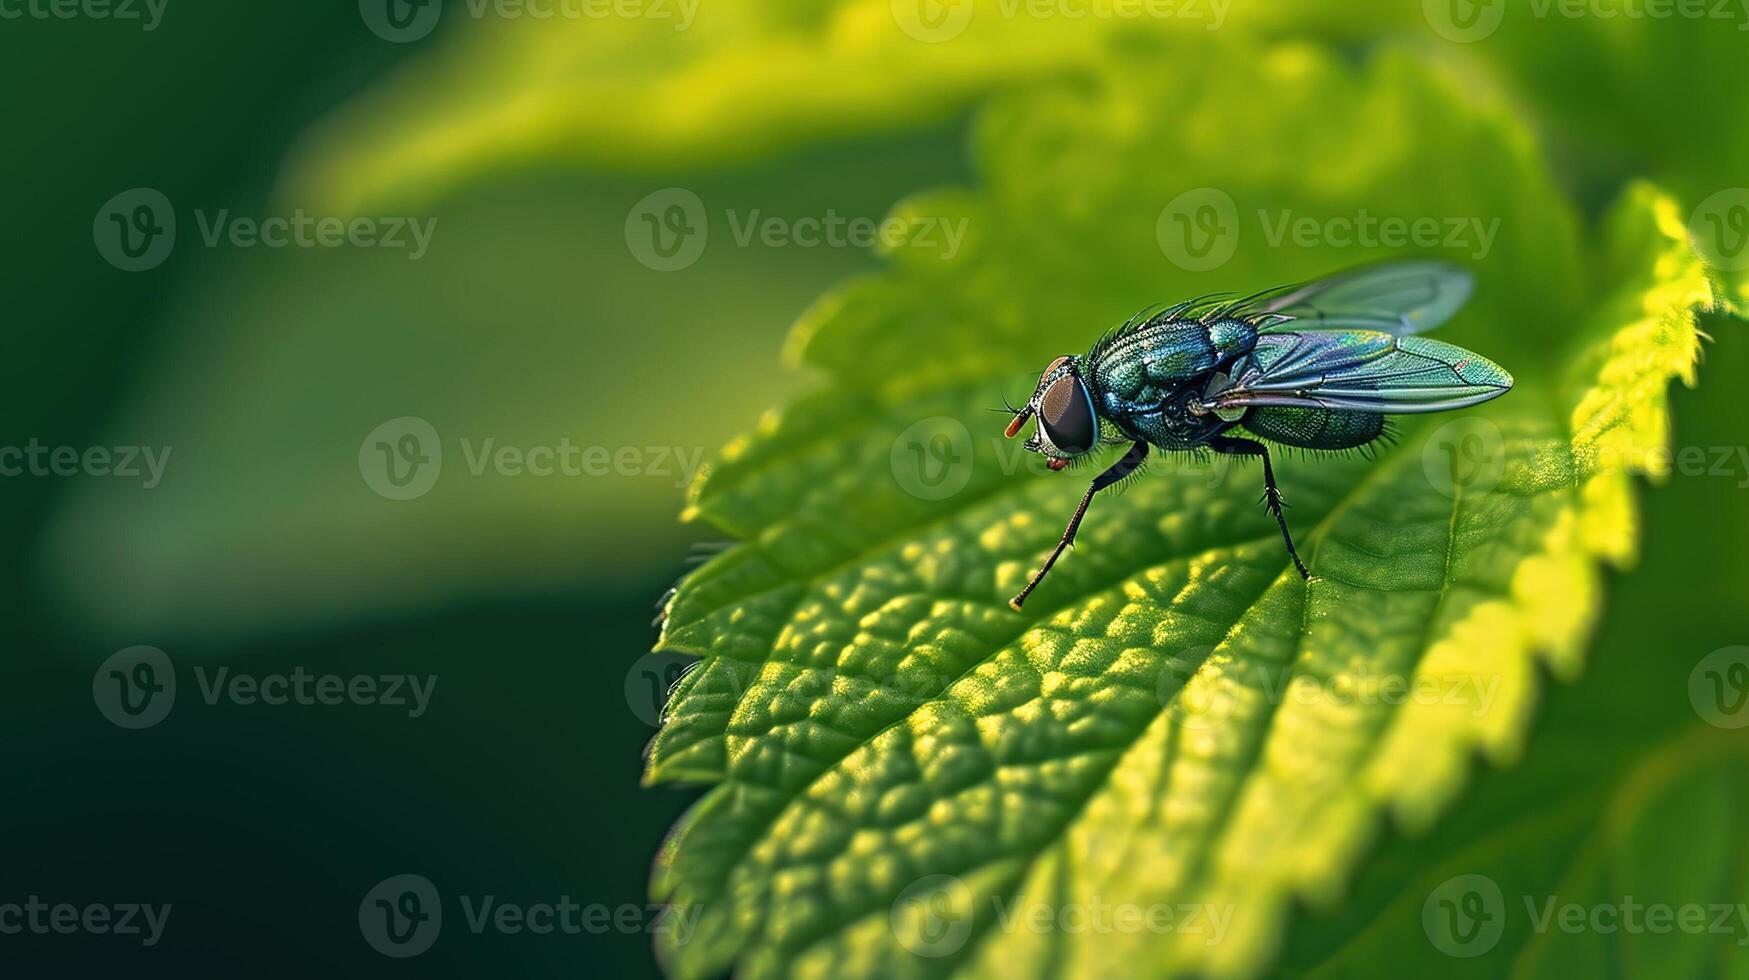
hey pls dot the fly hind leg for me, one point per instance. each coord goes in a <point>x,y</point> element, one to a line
<point>1271,493</point>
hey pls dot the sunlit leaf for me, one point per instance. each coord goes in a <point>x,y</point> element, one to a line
<point>1177,719</point>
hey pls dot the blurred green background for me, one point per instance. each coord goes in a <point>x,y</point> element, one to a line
<point>529,599</point>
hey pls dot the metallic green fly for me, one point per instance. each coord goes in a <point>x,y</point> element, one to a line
<point>1313,366</point>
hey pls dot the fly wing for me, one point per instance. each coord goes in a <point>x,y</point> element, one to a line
<point>1360,371</point>
<point>1398,298</point>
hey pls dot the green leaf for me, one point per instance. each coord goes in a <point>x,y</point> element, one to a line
<point>1177,718</point>
<point>1605,754</point>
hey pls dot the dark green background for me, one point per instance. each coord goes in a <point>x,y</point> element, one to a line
<point>265,827</point>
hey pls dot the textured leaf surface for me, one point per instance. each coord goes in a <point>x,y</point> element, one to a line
<point>1177,719</point>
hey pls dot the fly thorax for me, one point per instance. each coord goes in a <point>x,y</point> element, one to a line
<point>1219,382</point>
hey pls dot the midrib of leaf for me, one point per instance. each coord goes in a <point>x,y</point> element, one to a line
<point>778,804</point>
<point>1383,472</point>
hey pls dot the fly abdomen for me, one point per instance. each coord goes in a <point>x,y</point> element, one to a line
<point>1315,428</point>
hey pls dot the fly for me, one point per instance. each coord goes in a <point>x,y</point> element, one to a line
<point>1314,366</point>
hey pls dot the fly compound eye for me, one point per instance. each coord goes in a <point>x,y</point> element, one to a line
<point>1066,415</point>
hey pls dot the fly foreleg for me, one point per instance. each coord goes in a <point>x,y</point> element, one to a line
<point>1120,469</point>
<point>1271,493</point>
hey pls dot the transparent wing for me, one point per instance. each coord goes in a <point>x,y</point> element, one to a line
<point>1360,371</point>
<point>1399,298</point>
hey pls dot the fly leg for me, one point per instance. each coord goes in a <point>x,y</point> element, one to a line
<point>1120,469</point>
<point>1271,492</point>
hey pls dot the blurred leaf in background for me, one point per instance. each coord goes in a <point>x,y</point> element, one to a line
<point>741,80</point>
<point>528,323</point>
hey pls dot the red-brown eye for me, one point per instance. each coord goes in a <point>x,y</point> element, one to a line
<point>1066,414</point>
